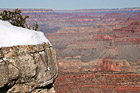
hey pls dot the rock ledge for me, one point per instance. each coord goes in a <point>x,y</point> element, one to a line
<point>27,68</point>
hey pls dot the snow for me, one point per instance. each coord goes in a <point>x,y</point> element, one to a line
<point>4,59</point>
<point>42,52</point>
<point>32,54</point>
<point>49,68</point>
<point>11,36</point>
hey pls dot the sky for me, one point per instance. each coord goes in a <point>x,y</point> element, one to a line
<point>69,4</point>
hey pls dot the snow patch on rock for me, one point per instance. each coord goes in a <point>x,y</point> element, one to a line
<point>11,36</point>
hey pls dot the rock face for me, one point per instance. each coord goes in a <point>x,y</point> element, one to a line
<point>28,68</point>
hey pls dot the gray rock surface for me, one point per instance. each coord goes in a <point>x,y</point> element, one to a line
<point>27,68</point>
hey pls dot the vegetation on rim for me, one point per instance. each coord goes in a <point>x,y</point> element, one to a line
<point>16,19</point>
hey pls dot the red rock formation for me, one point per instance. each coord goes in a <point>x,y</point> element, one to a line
<point>89,82</point>
<point>100,58</point>
<point>96,51</point>
<point>109,65</point>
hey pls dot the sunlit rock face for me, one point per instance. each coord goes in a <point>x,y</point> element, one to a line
<point>27,68</point>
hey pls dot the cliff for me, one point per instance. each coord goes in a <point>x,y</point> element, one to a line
<point>28,68</point>
<point>27,62</point>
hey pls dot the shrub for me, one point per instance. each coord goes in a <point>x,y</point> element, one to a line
<point>16,19</point>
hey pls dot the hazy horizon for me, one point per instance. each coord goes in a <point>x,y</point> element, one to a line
<point>74,9</point>
<point>69,5</point>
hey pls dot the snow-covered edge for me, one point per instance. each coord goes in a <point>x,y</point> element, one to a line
<point>12,36</point>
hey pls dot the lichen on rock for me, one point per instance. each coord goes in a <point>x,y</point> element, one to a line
<point>27,68</point>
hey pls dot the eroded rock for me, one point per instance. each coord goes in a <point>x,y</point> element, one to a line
<point>27,68</point>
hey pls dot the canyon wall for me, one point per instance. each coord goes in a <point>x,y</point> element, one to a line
<point>103,57</point>
<point>98,50</point>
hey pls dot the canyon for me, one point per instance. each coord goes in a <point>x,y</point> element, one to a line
<point>98,50</point>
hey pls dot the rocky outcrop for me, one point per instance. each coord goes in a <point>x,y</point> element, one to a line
<point>97,65</point>
<point>27,68</point>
